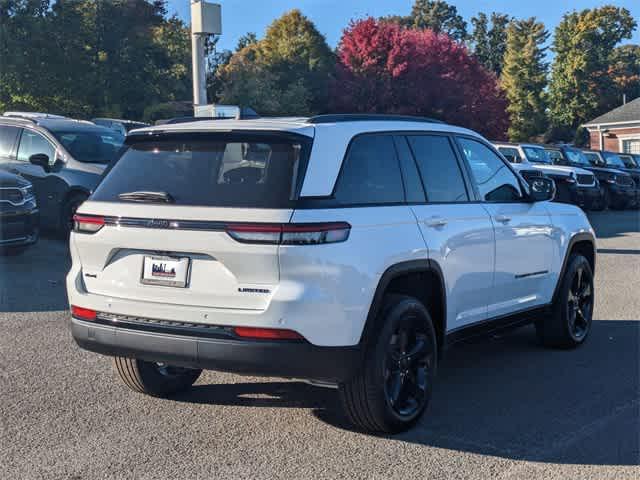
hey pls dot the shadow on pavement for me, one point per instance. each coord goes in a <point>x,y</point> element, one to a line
<point>35,280</point>
<point>506,397</point>
<point>614,223</point>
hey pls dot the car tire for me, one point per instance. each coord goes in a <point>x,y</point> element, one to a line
<point>569,323</point>
<point>68,211</point>
<point>393,387</point>
<point>155,379</point>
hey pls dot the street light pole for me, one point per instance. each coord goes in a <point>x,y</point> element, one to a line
<point>206,19</point>
<point>199,69</point>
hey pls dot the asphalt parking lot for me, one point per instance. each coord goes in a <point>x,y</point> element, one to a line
<point>503,408</point>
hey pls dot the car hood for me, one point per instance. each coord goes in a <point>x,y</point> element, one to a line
<point>605,170</point>
<point>560,170</point>
<point>10,180</point>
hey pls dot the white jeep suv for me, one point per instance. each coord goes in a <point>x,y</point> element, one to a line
<point>349,251</point>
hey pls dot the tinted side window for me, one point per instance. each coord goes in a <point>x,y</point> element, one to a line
<point>495,181</point>
<point>439,168</point>
<point>8,136</point>
<point>370,174</point>
<point>32,143</point>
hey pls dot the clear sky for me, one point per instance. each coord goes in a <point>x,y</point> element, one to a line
<point>331,16</point>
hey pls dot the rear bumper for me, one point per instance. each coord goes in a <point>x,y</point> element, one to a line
<point>288,359</point>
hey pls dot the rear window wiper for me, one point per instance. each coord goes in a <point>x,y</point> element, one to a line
<point>157,197</point>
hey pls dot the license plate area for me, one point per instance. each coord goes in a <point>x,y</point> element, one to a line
<point>166,271</point>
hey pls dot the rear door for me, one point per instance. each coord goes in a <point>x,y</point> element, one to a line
<point>458,233</point>
<point>187,249</point>
<point>524,233</point>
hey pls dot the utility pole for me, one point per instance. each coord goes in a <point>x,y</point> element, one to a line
<point>206,19</point>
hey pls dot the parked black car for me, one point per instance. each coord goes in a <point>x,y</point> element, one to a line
<point>607,159</point>
<point>618,188</point>
<point>18,214</point>
<point>62,158</point>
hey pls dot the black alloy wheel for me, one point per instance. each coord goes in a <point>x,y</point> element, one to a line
<point>407,365</point>
<point>580,304</point>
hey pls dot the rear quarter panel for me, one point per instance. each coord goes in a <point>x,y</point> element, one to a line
<point>330,287</point>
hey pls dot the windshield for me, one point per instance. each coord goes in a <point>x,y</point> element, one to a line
<point>215,170</point>
<point>629,161</point>
<point>593,158</point>
<point>91,146</point>
<point>576,156</point>
<point>536,155</point>
<point>614,160</point>
<point>556,156</point>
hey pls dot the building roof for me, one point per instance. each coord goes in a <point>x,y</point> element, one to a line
<point>627,113</point>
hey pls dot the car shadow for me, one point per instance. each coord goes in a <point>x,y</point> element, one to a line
<point>504,396</point>
<point>34,281</point>
<point>614,223</point>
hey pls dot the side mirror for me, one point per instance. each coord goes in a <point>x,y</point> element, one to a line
<point>542,189</point>
<point>41,159</point>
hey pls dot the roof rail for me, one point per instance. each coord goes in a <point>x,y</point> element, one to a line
<point>368,117</point>
<point>19,119</point>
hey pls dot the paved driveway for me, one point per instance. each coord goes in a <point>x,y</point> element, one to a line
<point>504,407</point>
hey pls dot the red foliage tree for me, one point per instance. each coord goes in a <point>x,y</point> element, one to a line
<point>385,68</point>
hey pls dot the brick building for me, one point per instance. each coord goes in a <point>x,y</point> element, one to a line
<point>617,130</point>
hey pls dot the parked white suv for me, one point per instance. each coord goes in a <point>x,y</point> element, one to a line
<point>349,251</point>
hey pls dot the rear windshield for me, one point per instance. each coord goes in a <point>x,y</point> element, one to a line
<point>219,170</point>
<point>91,146</point>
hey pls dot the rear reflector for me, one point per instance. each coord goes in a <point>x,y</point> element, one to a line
<point>83,313</point>
<point>290,233</point>
<point>87,223</point>
<point>267,333</point>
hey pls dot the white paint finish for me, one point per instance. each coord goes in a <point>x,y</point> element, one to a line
<point>524,245</point>
<point>332,140</point>
<point>457,236</point>
<point>113,257</point>
<point>338,281</point>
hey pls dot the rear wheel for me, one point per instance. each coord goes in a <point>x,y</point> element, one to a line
<point>152,378</point>
<point>393,388</point>
<point>570,321</point>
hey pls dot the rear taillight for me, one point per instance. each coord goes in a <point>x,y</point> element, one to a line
<point>83,313</point>
<point>267,333</point>
<point>290,233</point>
<point>87,223</point>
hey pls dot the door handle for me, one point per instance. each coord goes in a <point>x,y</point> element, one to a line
<point>435,222</point>
<point>502,218</point>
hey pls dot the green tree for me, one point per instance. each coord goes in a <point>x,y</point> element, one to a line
<point>91,57</point>
<point>490,43</point>
<point>580,86</point>
<point>287,72</point>
<point>438,16</point>
<point>524,78</point>
<point>624,69</point>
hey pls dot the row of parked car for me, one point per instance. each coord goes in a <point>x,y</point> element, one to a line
<point>50,164</point>
<point>592,179</point>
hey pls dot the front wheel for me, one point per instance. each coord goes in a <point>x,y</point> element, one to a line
<point>571,316</point>
<point>394,386</point>
<point>153,378</point>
